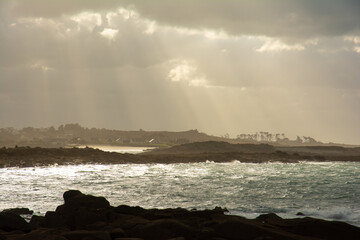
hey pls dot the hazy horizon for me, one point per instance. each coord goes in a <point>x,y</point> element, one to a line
<point>219,66</point>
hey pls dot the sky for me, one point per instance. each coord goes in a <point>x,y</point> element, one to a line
<point>219,66</point>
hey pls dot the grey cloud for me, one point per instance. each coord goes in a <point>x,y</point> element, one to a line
<point>290,20</point>
<point>54,8</point>
<point>241,66</point>
<point>27,42</point>
<point>51,77</point>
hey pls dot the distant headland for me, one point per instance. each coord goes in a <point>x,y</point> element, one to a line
<point>76,135</point>
<point>186,153</point>
<point>46,146</point>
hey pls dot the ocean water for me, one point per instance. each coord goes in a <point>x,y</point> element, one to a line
<point>323,190</point>
<point>119,149</point>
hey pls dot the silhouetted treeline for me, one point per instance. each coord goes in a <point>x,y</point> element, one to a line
<point>266,137</point>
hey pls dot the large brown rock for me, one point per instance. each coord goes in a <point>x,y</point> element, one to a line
<point>311,227</point>
<point>10,222</point>
<point>235,229</point>
<point>164,229</point>
<point>87,235</point>
<point>74,199</point>
<point>80,210</point>
<point>86,217</point>
<point>317,228</point>
<point>19,211</point>
<point>128,222</point>
<point>70,194</point>
<point>124,209</point>
<point>117,233</point>
<point>52,220</point>
<point>41,233</point>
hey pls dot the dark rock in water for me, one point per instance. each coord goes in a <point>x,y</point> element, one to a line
<point>19,211</point>
<point>10,222</point>
<point>87,235</point>
<point>70,194</point>
<point>300,214</point>
<point>130,239</point>
<point>2,237</point>
<point>74,199</point>
<point>117,233</point>
<point>86,217</point>
<point>270,218</point>
<point>98,226</point>
<point>80,210</point>
<point>331,230</point>
<point>220,210</point>
<point>264,238</point>
<point>163,229</point>
<point>41,233</point>
<point>36,221</point>
<point>130,210</point>
<point>236,228</point>
<point>128,222</point>
<point>53,220</point>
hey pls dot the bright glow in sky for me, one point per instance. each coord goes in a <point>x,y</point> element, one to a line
<point>109,33</point>
<point>219,66</point>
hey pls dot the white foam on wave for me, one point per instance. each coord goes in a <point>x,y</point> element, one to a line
<point>351,216</point>
<point>312,162</point>
<point>235,161</point>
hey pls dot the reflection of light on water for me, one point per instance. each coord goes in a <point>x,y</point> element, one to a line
<point>244,188</point>
<point>119,149</point>
<point>136,170</point>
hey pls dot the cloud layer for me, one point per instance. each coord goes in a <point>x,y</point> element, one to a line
<point>292,19</point>
<point>219,66</point>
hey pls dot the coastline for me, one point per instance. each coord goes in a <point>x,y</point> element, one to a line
<point>91,217</point>
<point>30,157</point>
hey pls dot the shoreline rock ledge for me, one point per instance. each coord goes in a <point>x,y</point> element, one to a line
<point>87,217</point>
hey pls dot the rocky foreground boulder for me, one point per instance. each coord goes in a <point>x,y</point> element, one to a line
<point>86,217</point>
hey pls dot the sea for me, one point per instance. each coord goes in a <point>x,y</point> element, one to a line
<point>328,190</point>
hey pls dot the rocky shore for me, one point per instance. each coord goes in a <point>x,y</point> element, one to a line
<point>187,153</point>
<point>86,217</point>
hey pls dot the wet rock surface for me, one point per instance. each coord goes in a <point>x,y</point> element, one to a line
<point>87,217</point>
